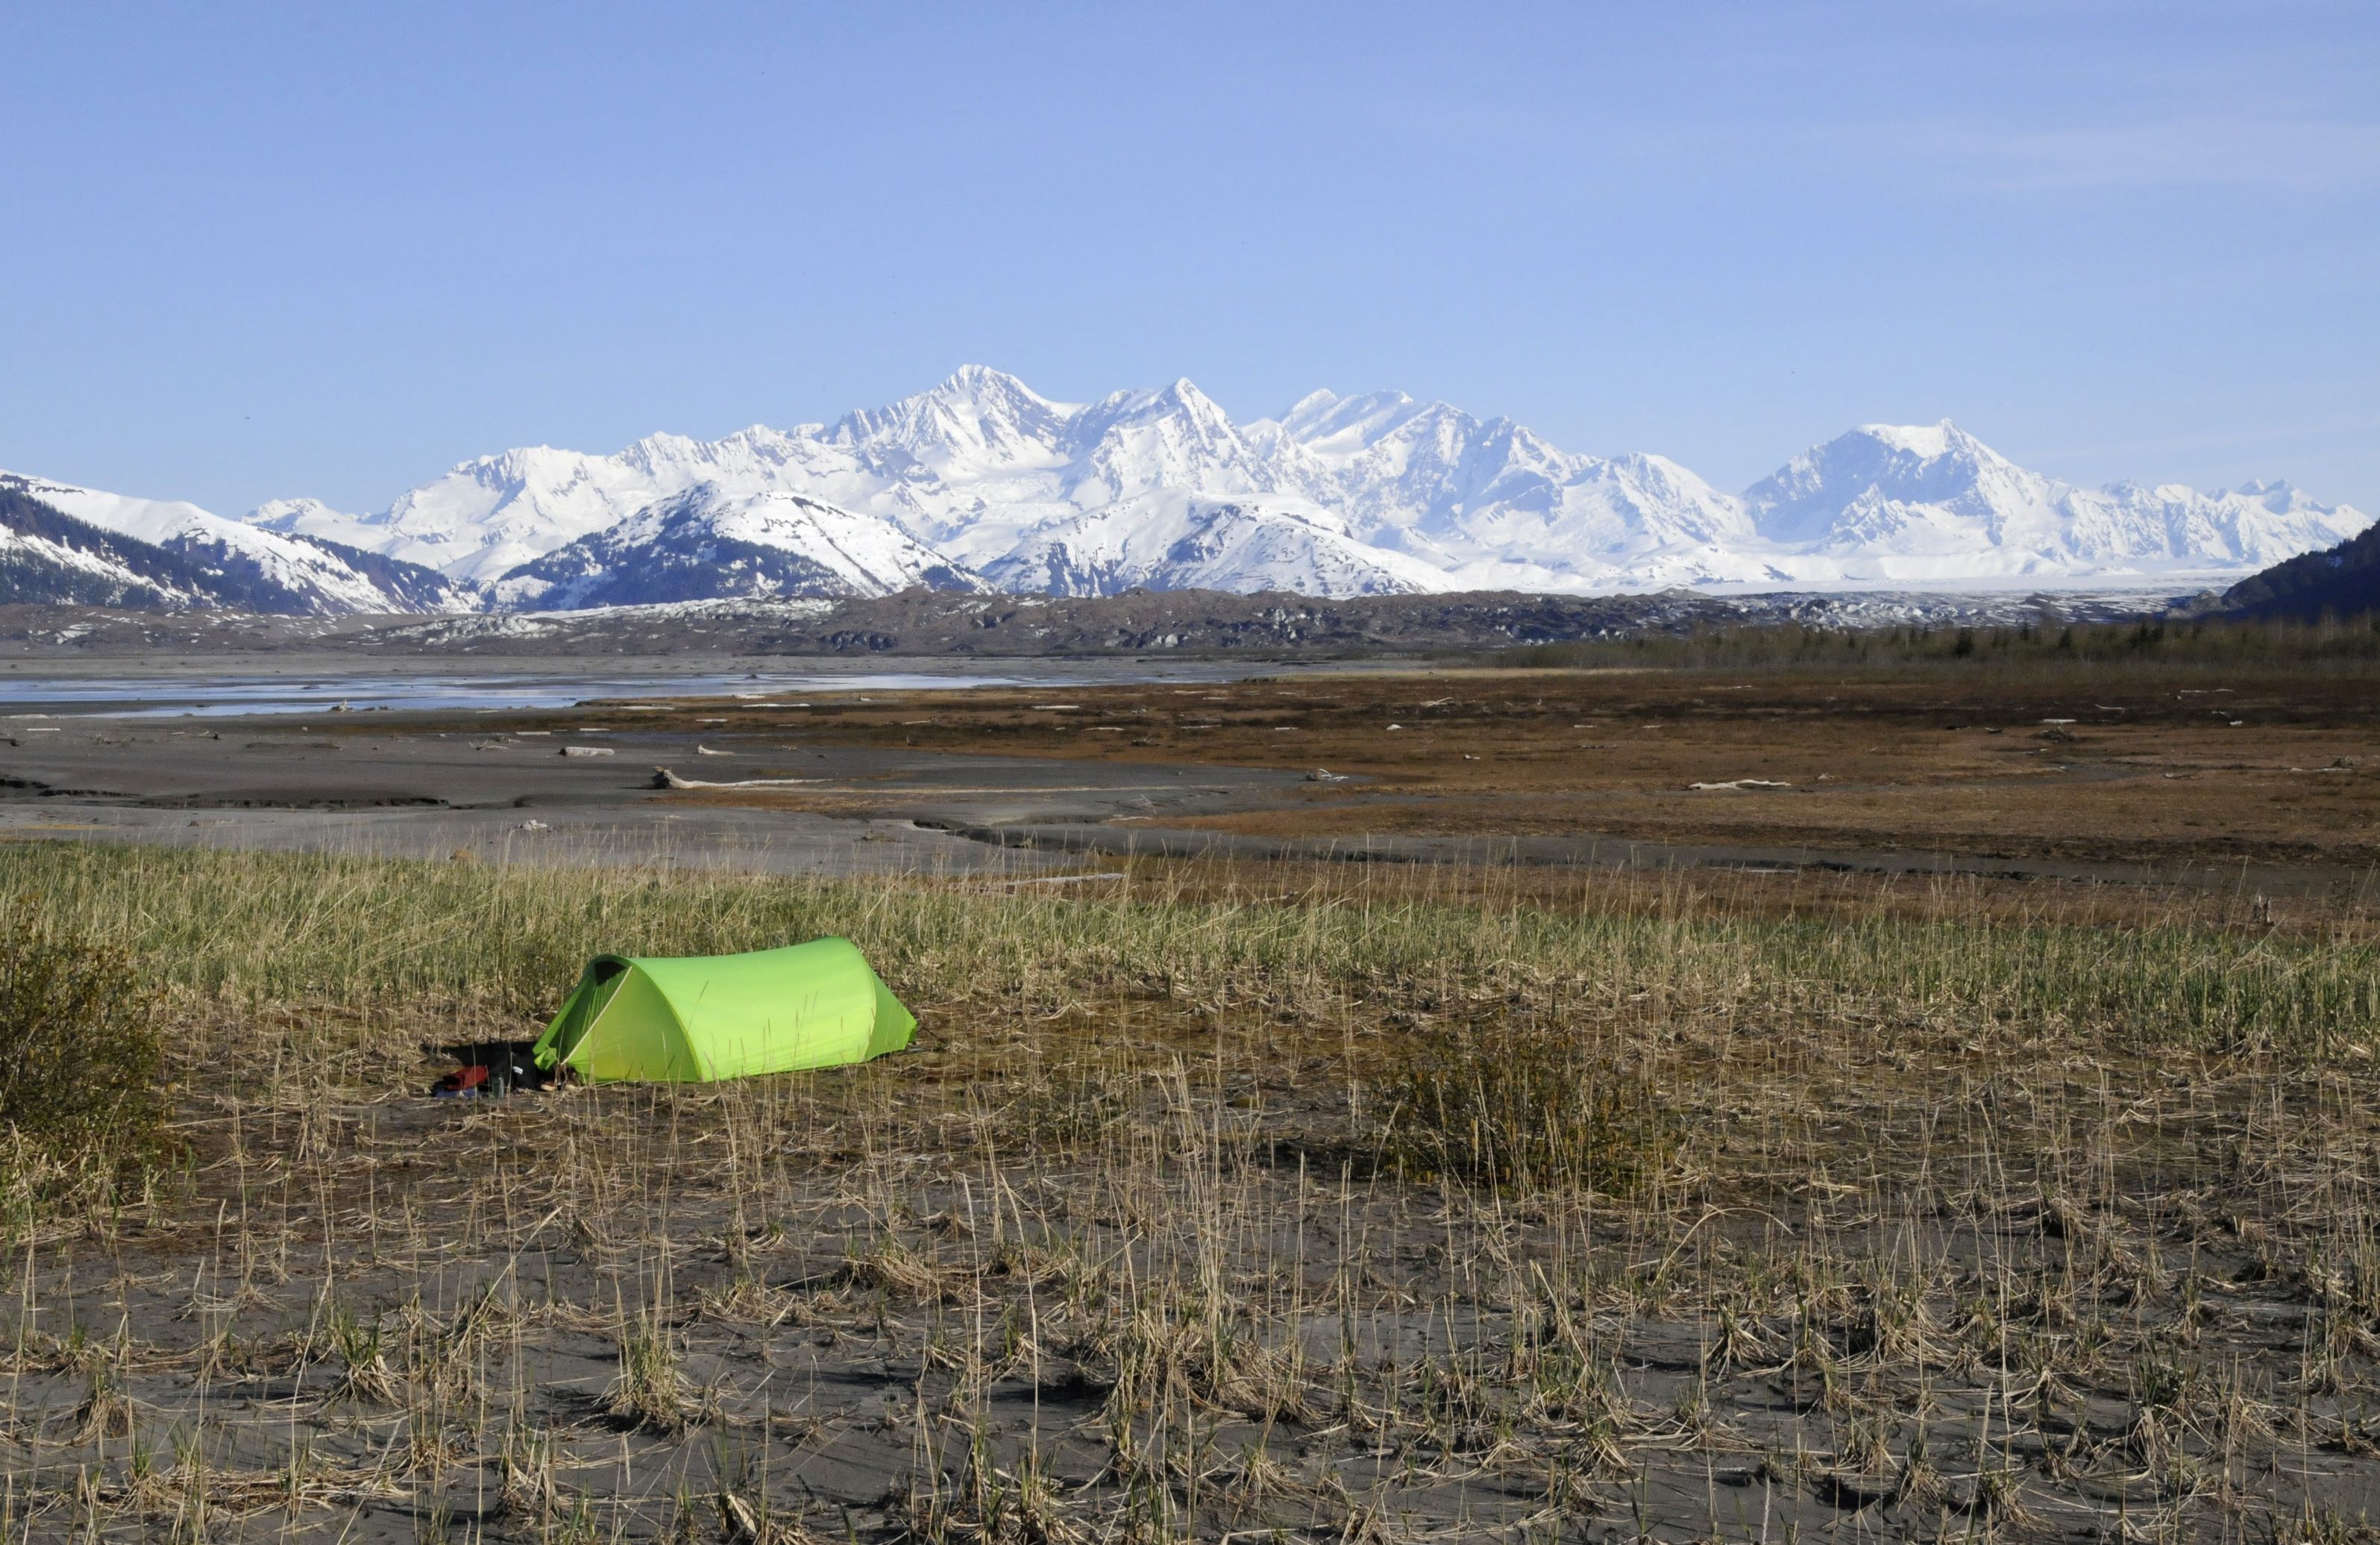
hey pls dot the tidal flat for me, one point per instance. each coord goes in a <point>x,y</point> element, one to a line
<point>1269,1190</point>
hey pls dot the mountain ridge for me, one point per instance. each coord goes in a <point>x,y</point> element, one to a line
<point>1353,492</point>
<point>705,544</point>
<point>175,554</point>
<point>980,479</point>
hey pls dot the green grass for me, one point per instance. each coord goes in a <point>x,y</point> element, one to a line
<point>81,1054</point>
<point>389,936</point>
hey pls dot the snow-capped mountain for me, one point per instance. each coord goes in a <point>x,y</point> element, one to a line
<point>1170,541</point>
<point>982,479</point>
<point>487,516</point>
<point>1142,488</point>
<point>706,544</point>
<point>49,558</point>
<point>1892,504</point>
<point>234,563</point>
<point>977,421</point>
<point>1336,496</point>
<point>1496,505</point>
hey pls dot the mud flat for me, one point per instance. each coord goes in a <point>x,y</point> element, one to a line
<point>2267,786</point>
<point>1736,1108</point>
<point>565,791</point>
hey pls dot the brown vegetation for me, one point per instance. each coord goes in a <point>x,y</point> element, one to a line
<point>2271,768</point>
<point>1287,1201</point>
<point>1383,1207</point>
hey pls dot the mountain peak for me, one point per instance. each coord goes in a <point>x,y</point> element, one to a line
<point>1182,400</point>
<point>988,475</point>
<point>1350,423</point>
<point>982,382</point>
<point>1926,441</point>
<point>1185,394</point>
<point>706,542</point>
<point>1313,405</point>
<point>1878,478</point>
<point>292,514</point>
<point>977,415</point>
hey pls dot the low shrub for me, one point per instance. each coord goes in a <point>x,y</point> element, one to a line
<point>82,1057</point>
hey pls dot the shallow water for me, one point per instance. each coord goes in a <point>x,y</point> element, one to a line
<point>150,695</point>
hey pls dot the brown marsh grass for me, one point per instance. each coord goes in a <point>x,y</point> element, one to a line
<point>2178,648</point>
<point>1222,1204</point>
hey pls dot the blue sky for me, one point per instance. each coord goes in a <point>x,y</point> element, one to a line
<point>332,250</point>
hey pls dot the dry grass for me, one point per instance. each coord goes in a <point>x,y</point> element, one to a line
<point>1527,1110</point>
<point>283,934</point>
<point>1697,1219</point>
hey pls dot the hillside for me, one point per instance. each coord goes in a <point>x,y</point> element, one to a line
<point>2343,580</point>
<point>119,550</point>
<point>48,557</point>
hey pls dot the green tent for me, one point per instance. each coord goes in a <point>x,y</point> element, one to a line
<point>701,1018</point>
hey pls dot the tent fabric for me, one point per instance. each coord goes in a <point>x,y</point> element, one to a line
<point>699,1018</point>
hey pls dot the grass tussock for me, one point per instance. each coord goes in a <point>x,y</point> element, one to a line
<point>649,1391</point>
<point>81,1054</point>
<point>1521,1110</point>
